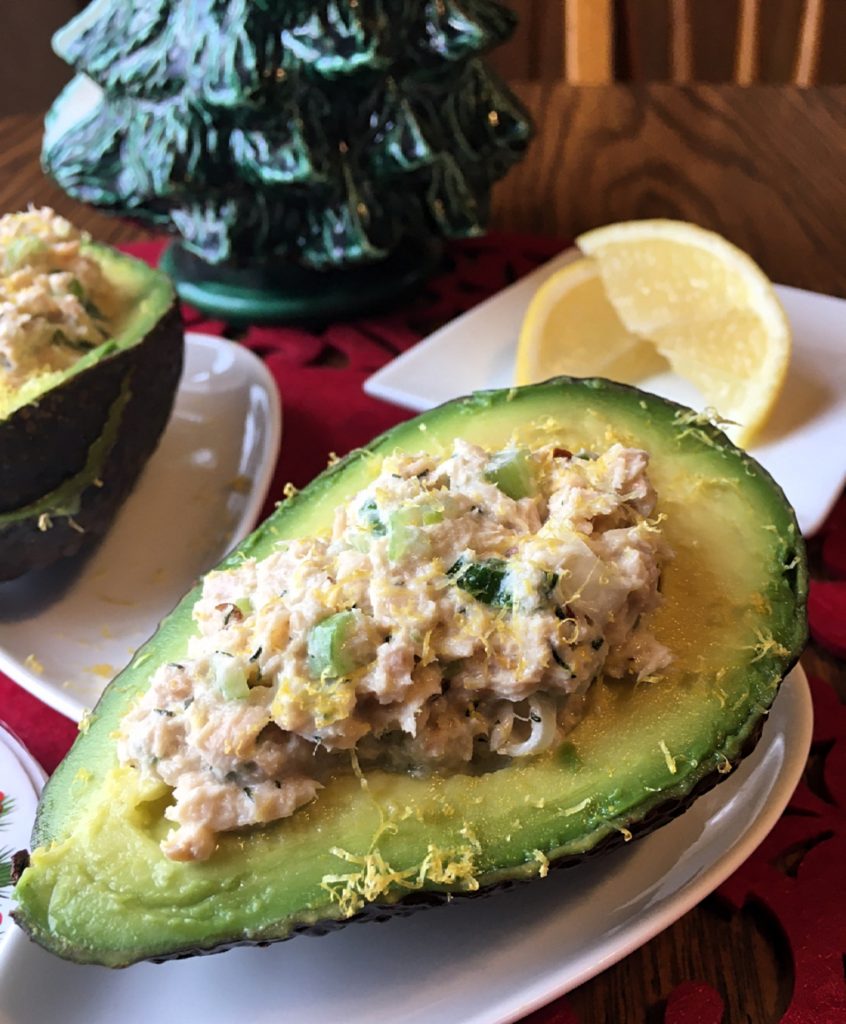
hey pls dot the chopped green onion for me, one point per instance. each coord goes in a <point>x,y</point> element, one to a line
<point>404,534</point>
<point>369,516</point>
<point>513,472</point>
<point>20,250</point>
<point>229,677</point>
<point>338,645</point>
<point>493,582</point>
<point>486,581</point>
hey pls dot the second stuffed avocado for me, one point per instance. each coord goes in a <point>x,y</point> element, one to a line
<point>631,705</point>
<point>92,348</point>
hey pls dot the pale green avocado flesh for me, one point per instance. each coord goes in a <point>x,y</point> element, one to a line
<point>98,888</point>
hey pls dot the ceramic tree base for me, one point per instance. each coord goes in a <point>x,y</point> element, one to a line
<point>287,293</point>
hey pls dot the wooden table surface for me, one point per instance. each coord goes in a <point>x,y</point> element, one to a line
<point>764,165</point>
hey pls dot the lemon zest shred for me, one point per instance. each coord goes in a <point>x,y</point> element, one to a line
<point>700,435</point>
<point>708,417</point>
<point>668,757</point>
<point>33,664</point>
<point>765,644</point>
<point>570,811</point>
<point>543,861</point>
<point>377,878</point>
<point>356,767</point>
<point>653,677</point>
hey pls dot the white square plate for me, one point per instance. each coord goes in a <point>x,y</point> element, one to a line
<point>803,445</point>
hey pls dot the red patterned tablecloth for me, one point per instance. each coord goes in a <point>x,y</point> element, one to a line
<point>798,873</point>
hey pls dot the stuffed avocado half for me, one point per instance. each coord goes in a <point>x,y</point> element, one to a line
<point>607,676</point>
<point>91,348</point>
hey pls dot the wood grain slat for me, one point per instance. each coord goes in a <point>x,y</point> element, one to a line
<point>760,164</point>
<point>741,41</point>
<point>681,41</point>
<point>810,38</point>
<point>588,41</point>
<point>746,55</point>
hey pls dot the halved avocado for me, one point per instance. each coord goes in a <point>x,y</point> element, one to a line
<point>112,406</point>
<point>98,888</point>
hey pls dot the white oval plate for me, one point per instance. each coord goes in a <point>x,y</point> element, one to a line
<point>486,962</point>
<point>67,630</point>
<point>21,779</point>
<point>801,445</point>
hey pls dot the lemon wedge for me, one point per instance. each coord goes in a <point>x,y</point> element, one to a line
<point>571,329</point>
<point>706,307</point>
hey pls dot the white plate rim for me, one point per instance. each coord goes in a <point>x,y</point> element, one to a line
<point>36,774</point>
<point>22,787</point>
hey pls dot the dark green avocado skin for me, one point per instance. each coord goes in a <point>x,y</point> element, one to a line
<point>47,442</point>
<point>151,370</point>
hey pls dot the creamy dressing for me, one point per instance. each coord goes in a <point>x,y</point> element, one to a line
<point>51,297</point>
<point>454,618</point>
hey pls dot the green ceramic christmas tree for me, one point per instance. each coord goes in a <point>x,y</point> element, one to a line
<point>309,153</point>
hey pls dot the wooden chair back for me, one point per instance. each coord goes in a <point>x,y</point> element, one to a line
<point>589,33</point>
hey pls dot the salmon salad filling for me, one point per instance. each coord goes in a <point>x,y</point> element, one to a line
<point>51,295</point>
<point>453,619</point>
